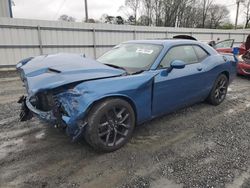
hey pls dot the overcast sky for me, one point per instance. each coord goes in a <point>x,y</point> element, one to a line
<point>52,9</point>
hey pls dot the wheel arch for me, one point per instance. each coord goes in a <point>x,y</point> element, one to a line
<point>123,97</point>
<point>226,73</point>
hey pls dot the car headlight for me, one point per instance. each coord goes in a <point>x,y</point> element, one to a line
<point>240,59</point>
<point>19,65</point>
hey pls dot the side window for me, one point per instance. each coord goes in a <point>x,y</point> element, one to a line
<point>224,44</point>
<point>201,53</point>
<point>184,53</point>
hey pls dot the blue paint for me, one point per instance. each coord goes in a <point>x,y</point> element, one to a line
<point>151,93</point>
<point>236,51</point>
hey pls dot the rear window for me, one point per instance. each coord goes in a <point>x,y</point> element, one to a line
<point>201,53</point>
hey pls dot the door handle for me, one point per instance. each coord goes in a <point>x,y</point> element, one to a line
<point>199,68</point>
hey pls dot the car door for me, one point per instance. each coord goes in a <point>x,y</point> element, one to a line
<point>179,87</point>
<point>224,46</point>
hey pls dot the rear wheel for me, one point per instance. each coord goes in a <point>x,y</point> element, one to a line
<point>110,125</point>
<point>219,90</point>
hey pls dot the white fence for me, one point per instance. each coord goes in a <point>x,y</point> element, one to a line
<point>21,38</point>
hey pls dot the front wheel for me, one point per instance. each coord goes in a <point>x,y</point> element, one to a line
<point>110,125</point>
<point>219,90</point>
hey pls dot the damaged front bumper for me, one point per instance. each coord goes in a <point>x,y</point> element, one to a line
<point>243,68</point>
<point>28,110</point>
<point>54,117</point>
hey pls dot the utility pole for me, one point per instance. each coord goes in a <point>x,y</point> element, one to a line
<point>237,12</point>
<point>86,11</point>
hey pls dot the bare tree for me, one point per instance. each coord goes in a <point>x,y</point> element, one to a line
<point>206,4</point>
<point>143,20</point>
<point>157,8</point>
<point>189,14</point>
<point>134,5</point>
<point>148,6</point>
<point>178,13</point>
<point>247,12</point>
<point>217,14</point>
<point>124,10</point>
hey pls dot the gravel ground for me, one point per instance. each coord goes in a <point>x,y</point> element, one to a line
<point>200,146</point>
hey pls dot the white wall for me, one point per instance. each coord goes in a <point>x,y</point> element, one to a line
<point>21,38</point>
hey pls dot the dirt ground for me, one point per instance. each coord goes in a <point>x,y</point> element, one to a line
<point>200,146</point>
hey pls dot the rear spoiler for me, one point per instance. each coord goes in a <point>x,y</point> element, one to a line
<point>231,55</point>
<point>235,53</point>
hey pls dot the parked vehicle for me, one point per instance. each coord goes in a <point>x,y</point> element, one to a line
<point>226,46</point>
<point>134,82</point>
<point>243,66</point>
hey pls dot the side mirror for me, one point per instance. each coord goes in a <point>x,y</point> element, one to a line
<point>177,64</point>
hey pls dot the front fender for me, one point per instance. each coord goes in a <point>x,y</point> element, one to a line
<point>137,89</point>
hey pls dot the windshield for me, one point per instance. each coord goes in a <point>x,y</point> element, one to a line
<point>131,56</point>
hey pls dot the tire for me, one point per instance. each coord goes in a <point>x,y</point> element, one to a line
<point>110,125</point>
<point>219,90</point>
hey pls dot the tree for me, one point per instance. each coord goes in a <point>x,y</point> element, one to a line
<point>217,14</point>
<point>247,12</point>
<point>105,18</point>
<point>226,25</point>
<point>148,7</point>
<point>119,20</point>
<point>66,18</point>
<point>177,13</point>
<point>144,20</point>
<point>91,20</point>
<point>131,20</point>
<point>188,14</point>
<point>134,6</point>
<point>206,4</point>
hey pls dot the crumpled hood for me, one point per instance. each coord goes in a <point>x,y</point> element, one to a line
<point>51,71</point>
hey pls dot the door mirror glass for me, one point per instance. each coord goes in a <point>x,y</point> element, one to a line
<point>177,64</point>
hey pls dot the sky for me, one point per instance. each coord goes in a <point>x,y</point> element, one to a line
<point>52,9</point>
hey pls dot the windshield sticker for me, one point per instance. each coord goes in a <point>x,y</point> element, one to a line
<point>144,51</point>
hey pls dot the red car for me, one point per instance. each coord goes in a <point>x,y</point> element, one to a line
<point>243,67</point>
<point>226,46</point>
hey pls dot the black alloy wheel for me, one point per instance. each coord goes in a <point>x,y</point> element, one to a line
<point>219,91</point>
<point>110,125</point>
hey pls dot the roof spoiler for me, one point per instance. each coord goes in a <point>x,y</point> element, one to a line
<point>184,37</point>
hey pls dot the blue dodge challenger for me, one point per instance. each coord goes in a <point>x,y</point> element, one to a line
<point>102,100</point>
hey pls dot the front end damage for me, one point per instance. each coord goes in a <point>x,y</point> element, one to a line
<point>50,82</point>
<point>57,109</point>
